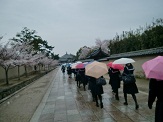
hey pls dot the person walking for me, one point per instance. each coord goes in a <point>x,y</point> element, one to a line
<point>96,90</point>
<point>78,78</point>
<point>114,81</point>
<point>130,88</point>
<point>63,69</point>
<point>84,80</point>
<point>155,91</point>
<point>69,71</point>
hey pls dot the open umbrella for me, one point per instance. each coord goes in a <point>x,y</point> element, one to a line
<point>154,68</point>
<point>96,69</point>
<point>73,66</point>
<point>110,64</point>
<point>78,62</point>
<point>123,61</point>
<point>80,66</point>
<point>115,66</point>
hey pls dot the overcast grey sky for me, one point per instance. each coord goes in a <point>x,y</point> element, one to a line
<point>71,24</point>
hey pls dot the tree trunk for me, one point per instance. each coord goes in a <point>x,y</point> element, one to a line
<point>18,72</point>
<point>6,73</point>
<point>39,68</point>
<point>25,71</point>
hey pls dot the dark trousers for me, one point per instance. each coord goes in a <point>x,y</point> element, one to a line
<point>159,112</point>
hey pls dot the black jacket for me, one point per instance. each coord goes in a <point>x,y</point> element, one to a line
<point>156,91</point>
<point>114,78</point>
<point>129,88</point>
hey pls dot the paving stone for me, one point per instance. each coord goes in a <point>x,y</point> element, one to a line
<point>72,104</point>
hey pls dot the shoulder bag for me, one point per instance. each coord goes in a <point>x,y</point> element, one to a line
<point>101,81</point>
<point>127,79</point>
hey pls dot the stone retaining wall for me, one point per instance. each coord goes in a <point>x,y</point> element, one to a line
<point>12,89</point>
<point>139,60</point>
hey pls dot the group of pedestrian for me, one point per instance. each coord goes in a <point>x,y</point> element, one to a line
<point>155,89</point>
<point>128,88</point>
<point>95,89</point>
<point>115,81</point>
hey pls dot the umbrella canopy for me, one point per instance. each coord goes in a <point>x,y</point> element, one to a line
<point>110,64</point>
<point>78,62</point>
<point>80,66</point>
<point>73,66</point>
<point>123,61</point>
<point>68,65</point>
<point>115,66</point>
<point>154,68</point>
<point>63,64</point>
<point>96,69</point>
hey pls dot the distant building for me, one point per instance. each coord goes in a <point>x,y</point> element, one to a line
<point>67,58</point>
<point>97,54</point>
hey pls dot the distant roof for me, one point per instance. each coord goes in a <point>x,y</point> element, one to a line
<point>86,60</point>
<point>66,57</point>
<point>98,53</point>
<point>152,51</point>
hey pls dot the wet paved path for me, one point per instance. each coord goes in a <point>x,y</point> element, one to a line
<point>64,102</point>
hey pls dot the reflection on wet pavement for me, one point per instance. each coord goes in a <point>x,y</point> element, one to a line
<point>67,103</point>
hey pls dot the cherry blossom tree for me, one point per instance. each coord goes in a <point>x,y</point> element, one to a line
<point>7,55</point>
<point>84,52</point>
<point>103,45</point>
<point>17,54</point>
<point>24,54</point>
<point>45,62</point>
<point>52,63</point>
<point>38,59</point>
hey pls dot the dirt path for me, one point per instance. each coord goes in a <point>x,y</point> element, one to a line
<point>21,106</point>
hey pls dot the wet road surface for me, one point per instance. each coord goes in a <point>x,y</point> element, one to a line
<point>67,103</point>
<point>56,98</point>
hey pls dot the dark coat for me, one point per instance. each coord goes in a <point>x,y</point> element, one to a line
<point>95,89</point>
<point>83,76</point>
<point>69,70</point>
<point>114,78</point>
<point>78,76</point>
<point>156,91</point>
<point>129,88</point>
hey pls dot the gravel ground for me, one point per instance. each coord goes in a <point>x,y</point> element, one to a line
<point>21,106</point>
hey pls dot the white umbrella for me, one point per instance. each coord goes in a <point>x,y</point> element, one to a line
<point>78,62</point>
<point>123,61</point>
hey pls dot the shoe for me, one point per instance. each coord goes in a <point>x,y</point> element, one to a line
<point>125,103</point>
<point>101,105</point>
<point>136,107</point>
<point>94,100</point>
<point>116,97</point>
<point>113,93</point>
<point>97,105</point>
